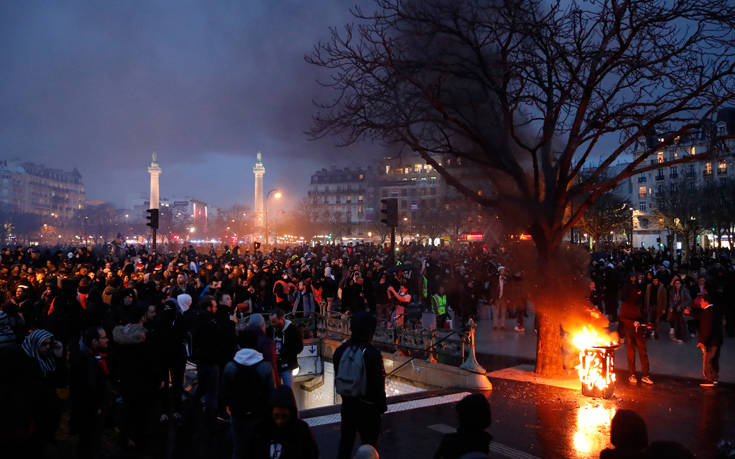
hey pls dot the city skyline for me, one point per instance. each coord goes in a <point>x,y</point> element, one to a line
<point>205,87</point>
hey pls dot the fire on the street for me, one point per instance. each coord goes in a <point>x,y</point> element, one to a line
<point>596,361</point>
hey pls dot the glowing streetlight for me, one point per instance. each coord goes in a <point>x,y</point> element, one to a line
<point>276,194</point>
<point>192,229</point>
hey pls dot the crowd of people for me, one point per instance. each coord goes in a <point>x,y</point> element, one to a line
<point>107,333</point>
<point>641,291</point>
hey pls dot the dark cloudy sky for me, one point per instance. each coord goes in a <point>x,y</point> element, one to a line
<point>100,85</point>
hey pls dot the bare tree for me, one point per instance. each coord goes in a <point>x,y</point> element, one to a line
<point>681,214</point>
<point>526,91</point>
<point>608,213</point>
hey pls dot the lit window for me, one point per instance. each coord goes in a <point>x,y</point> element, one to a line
<point>417,167</point>
<point>406,170</point>
<point>676,155</point>
<point>387,168</point>
<point>692,150</point>
<point>642,191</point>
<point>722,166</point>
<point>708,168</point>
<point>660,156</point>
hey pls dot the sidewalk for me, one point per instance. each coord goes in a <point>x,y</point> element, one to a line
<point>665,356</point>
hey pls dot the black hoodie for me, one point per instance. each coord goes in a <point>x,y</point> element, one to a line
<point>294,440</point>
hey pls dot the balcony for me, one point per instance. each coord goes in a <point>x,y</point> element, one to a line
<point>642,179</point>
<point>659,177</point>
<point>707,173</point>
<point>674,175</point>
<point>689,174</point>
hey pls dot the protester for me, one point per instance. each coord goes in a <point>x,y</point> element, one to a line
<point>631,320</point>
<point>90,391</point>
<point>473,412</point>
<point>360,380</point>
<point>629,436</point>
<point>288,343</point>
<point>247,384</point>
<point>710,338</point>
<point>283,435</point>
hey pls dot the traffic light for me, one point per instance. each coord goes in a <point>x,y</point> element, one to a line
<point>389,209</point>
<point>152,218</point>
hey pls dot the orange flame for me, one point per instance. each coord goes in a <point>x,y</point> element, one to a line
<point>596,367</point>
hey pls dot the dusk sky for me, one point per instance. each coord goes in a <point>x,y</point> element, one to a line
<point>205,84</point>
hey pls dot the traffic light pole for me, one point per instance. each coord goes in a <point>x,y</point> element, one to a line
<point>153,243</point>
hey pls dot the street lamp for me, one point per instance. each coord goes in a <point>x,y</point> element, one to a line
<point>276,194</point>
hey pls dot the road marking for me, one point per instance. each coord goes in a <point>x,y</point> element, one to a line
<point>442,428</point>
<point>393,408</point>
<point>507,451</point>
<point>495,447</point>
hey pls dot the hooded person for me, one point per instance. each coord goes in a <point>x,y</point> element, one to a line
<point>474,416</point>
<point>247,384</point>
<point>40,350</point>
<point>360,380</point>
<point>283,435</point>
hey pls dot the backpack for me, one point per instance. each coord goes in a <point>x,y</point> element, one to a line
<point>254,398</point>
<point>351,378</point>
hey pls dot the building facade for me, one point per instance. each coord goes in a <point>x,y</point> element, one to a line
<point>671,181</point>
<point>346,201</point>
<point>30,188</point>
<point>343,201</point>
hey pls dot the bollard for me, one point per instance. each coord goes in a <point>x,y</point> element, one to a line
<point>471,363</point>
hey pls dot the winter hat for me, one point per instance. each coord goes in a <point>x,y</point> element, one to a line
<point>7,336</point>
<point>31,345</point>
<point>184,301</point>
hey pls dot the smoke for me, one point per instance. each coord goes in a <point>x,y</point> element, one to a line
<point>101,85</point>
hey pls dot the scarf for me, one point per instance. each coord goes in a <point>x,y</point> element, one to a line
<point>30,347</point>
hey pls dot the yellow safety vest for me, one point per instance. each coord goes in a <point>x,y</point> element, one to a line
<point>440,304</point>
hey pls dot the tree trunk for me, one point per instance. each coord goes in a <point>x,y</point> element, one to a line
<point>549,356</point>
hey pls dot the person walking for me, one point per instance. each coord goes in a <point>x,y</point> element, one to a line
<point>247,384</point>
<point>360,380</point>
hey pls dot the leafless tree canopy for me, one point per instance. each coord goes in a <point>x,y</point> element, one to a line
<point>528,89</point>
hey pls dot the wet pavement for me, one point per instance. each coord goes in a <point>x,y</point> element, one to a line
<point>549,422</point>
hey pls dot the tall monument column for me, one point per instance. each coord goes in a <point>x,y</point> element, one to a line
<point>258,171</point>
<point>155,170</point>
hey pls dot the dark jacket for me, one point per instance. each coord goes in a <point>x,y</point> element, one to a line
<point>294,439</point>
<point>89,386</point>
<point>710,326</point>
<point>134,363</point>
<point>213,341</point>
<point>288,345</point>
<point>375,372</point>
<point>247,369</point>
